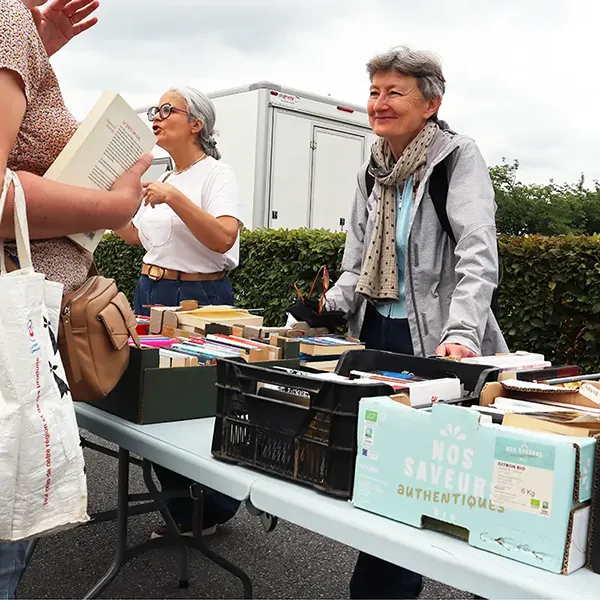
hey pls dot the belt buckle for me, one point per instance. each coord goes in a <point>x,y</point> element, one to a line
<point>161,270</point>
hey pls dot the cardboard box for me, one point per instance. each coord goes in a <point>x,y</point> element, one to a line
<point>149,394</point>
<point>588,395</point>
<point>532,423</point>
<point>593,554</point>
<point>520,494</point>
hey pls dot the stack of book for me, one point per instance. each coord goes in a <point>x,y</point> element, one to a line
<point>413,390</point>
<point>205,350</point>
<point>193,320</point>
<point>515,361</point>
<point>323,352</point>
<point>567,409</point>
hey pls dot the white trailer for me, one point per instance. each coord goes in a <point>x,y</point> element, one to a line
<point>295,154</point>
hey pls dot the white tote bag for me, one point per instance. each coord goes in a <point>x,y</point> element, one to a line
<point>42,480</point>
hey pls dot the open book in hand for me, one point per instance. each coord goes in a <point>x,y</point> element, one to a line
<point>106,144</point>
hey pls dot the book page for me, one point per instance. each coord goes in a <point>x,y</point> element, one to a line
<point>123,150</point>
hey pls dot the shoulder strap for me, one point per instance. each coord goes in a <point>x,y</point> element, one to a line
<point>369,181</point>
<point>438,190</point>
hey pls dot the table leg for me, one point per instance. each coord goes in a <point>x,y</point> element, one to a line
<point>168,517</point>
<point>124,554</point>
<point>122,515</point>
<point>199,542</point>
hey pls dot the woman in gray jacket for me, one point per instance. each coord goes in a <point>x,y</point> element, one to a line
<point>417,278</point>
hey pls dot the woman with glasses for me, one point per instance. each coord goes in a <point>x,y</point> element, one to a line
<point>189,226</point>
<point>190,220</point>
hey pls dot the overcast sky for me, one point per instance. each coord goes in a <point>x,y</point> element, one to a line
<point>522,75</point>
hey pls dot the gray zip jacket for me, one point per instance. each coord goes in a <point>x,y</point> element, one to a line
<point>448,288</point>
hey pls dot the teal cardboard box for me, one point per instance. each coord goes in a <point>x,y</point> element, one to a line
<point>521,494</point>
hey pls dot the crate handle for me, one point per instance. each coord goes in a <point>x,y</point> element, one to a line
<point>284,380</point>
<point>302,402</point>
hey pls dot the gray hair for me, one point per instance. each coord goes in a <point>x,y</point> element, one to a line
<point>424,66</point>
<point>201,108</point>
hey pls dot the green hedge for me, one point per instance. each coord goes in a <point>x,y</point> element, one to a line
<point>550,294</point>
<point>271,261</point>
<point>550,297</point>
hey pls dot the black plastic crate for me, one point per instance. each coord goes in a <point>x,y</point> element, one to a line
<point>473,377</point>
<point>306,429</point>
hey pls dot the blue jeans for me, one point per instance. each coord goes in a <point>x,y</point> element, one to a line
<point>218,508</point>
<point>170,293</point>
<point>12,566</point>
<point>373,577</point>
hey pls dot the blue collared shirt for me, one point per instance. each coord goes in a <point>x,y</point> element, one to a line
<point>404,199</point>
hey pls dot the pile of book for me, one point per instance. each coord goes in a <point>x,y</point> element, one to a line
<point>571,408</point>
<point>409,388</point>
<point>190,319</point>
<point>525,366</point>
<point>189,335</point>
<point>205,350</point>
<point>323,352</point>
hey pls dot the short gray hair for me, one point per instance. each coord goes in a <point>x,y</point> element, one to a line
<point>424,66</point>
<point>201,108</point>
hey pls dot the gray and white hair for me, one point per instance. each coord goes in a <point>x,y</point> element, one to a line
<point>424,66</point>
<point>201,108</point>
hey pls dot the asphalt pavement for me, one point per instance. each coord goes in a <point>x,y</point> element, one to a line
<point>289,562</point>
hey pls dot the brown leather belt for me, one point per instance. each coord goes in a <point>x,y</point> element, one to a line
<point>157,273</point>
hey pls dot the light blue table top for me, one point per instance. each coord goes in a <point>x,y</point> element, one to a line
<point>437,556</point>
<point>184,447</point>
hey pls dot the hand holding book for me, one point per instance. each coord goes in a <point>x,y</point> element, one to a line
<point>106,152</point>
<point>129,185</point>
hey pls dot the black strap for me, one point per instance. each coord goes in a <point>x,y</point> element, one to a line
<point>438,190</point>
<point>369,181</point>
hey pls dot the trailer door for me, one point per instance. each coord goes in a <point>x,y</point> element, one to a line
<point>290,170</point>
<point>337,157</point>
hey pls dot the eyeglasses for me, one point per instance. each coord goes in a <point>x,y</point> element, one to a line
<point>323,273</point>
<point>164,111</point>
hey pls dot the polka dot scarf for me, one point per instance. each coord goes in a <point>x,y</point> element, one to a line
<point>379,277</point>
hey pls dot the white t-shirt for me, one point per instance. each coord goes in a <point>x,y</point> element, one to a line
<point>211,185</point>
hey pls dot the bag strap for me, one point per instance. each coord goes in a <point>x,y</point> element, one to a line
<point>369,181</point>
<point>93,272</point>
<point>21,226</point>
<point>438,190</point>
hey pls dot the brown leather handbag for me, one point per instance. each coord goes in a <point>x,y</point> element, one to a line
<point>95,326</point>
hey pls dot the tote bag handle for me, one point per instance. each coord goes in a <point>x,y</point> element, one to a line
<point>21,226</point>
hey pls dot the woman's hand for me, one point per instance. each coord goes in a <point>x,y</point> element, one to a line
<point>454,350</point>
<point>129,190</point>
<point>156,192</point>
<point>59,21</point>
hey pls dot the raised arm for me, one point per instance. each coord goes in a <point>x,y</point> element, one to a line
<point>55,209</point>
<point>217,226</point>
